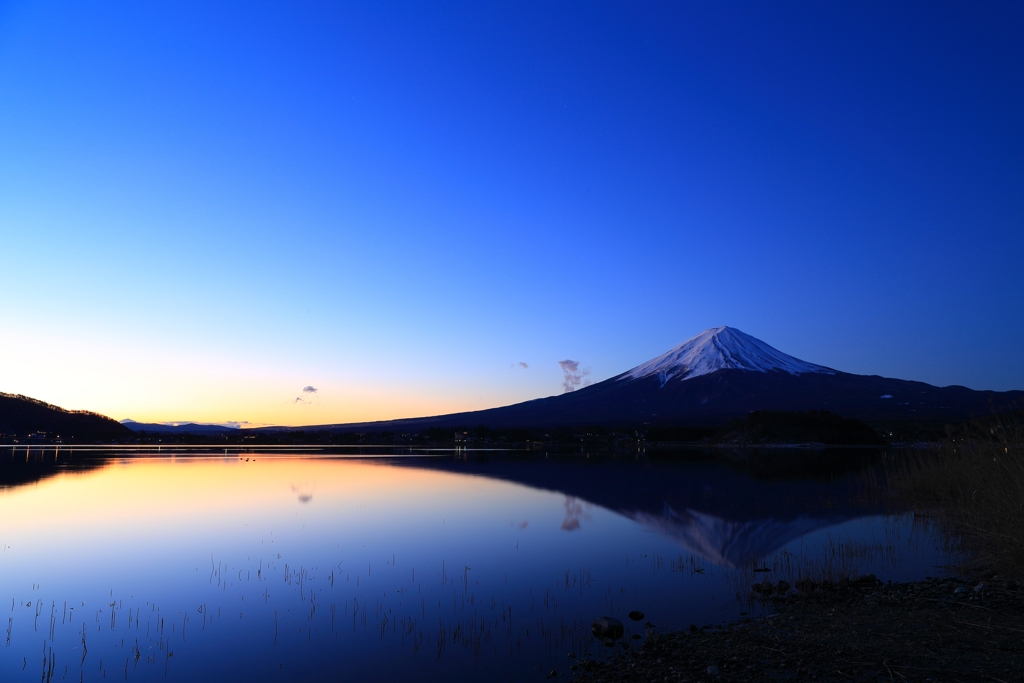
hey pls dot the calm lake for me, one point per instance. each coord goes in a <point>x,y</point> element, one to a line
<point>272,566</point>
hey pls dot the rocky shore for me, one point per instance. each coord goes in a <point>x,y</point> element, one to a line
<point>864,630</point>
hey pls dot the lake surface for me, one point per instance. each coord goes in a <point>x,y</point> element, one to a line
<point>270,566</point>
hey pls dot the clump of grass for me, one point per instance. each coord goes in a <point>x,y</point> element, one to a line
<point>972,484</point>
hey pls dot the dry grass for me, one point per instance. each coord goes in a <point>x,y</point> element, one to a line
<point>973,486</point>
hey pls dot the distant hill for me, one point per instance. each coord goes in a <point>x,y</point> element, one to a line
<point>23,418</point>
<point>178,428</point>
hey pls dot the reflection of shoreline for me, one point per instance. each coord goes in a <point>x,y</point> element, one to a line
<point>21,467</point>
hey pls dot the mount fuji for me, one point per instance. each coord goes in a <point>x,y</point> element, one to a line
<point>720,374</point>
<point>720,348</point>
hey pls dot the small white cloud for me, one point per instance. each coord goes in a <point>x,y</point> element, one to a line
<point>309,390</point>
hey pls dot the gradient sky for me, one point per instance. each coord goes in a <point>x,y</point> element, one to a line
<point>205,207</point>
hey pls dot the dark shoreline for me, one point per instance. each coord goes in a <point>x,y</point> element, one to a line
<point>849,631</point>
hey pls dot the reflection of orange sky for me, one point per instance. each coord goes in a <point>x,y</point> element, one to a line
<point>155,490</point>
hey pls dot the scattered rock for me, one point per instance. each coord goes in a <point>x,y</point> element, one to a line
<point>980,587</point>
<point>960,591</point>
<point>636,615</point>
<point>806,586</point>
<point>782,588</point>
<point>839,631</point>
<point>765,587</point>
<point>607,627</point>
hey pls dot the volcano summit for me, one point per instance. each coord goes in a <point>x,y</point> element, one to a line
<point>720,348</point>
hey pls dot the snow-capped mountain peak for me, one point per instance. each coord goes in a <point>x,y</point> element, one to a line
<point>721,348</point>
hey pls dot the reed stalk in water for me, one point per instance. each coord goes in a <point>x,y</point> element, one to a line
<point>973,486</point>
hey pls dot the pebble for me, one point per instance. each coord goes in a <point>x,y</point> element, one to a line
<point>713,670</point>
<point>607,627</point>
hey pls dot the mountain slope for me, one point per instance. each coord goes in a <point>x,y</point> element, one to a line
<point>21,416</point>
<point>718,375</point>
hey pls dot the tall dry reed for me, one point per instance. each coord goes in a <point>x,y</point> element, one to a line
<point>973,486</point>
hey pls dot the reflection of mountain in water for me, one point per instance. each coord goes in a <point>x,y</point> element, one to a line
<point>709,508</point>
<point>730,543</point>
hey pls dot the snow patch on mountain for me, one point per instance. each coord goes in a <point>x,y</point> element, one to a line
<point>721,348</point>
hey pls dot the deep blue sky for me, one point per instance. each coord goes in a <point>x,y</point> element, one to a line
<point>207,206</point>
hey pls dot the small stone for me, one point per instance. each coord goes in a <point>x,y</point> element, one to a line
<point>554,672</point>
<point>980,587</point>
<point>805,585</point>
<point>960,591</point>
<point>782,588</point>
<point>693,628</point>
<point>607,627</point>
<point>636,615</point>
<point>713,670</point>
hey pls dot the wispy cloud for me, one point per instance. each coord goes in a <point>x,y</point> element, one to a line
<point>573,377</point>
<point>520,364</point>
<point>308,392</point>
